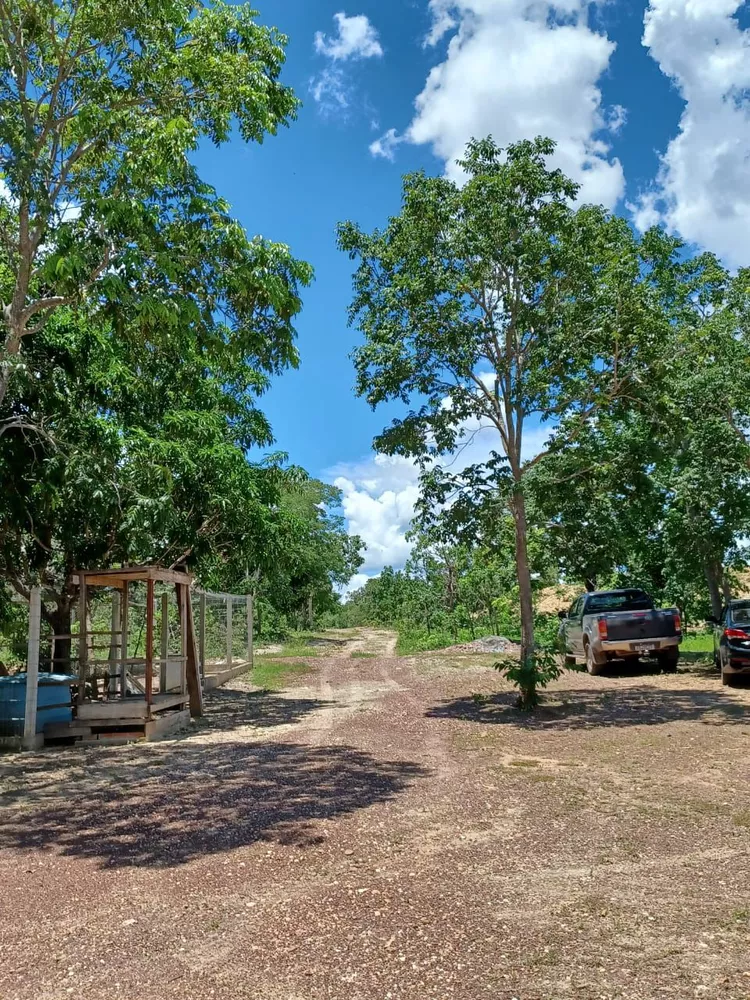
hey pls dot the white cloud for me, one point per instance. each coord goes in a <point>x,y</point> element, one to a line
<point>380,494</point>
<point>356,38</point>
<point>387,145</point>
<point>516,69</point>
<point>702,189</point>
<point>331,91</point>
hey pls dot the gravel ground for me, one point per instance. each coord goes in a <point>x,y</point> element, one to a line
<point>394,829</point>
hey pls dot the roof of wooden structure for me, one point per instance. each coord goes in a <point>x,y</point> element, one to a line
<point>130,574</point>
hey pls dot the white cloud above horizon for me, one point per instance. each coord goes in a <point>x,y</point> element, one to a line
<point>516,68</point>
<point>380,493</point>
<point>355,39</point>
<point>701,191</point>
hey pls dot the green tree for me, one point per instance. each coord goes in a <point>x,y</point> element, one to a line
<point>143,458</point>
<point>100,207</point>
<point>493,303</point>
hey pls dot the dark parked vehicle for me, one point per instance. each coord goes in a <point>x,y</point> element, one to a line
<point>732,641</point>
<point>619,625</point>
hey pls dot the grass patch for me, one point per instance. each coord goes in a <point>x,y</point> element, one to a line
<point>275,675</point>
<point>523,763</point>
<point>700,642</point>
<point>742,818</point>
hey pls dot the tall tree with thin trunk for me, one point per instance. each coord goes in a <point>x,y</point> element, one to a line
<point>101,105</point>
<point>497,304</point>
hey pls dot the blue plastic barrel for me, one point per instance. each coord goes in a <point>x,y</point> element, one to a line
<point>53,702</point>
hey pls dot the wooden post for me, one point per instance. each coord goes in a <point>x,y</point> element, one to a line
<point>32,670</point>
<point>164,643</point>
<point>83,639</point>
<point>202,634</point>
<point>229,632</point>
<point>250,629</point>
<point>114,644</point>
<point>184,612</point>
<point>149,645</point>
<point>195,690</point>
<point>124,615</point>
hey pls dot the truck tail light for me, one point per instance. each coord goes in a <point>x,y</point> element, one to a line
<point>735,633</point>
<point>677,622</point>
<point>602,623</point>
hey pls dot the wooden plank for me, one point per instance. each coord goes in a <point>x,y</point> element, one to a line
<point>61,730</point>
<point>195,689</point>
<point>182,593</point>
<point>149,642</point>
<point>82,640</point>
<point>166,724</point>
<point>118,577</point>
<point>229,604</point>
<point>202,635</point>
<point>32,668</point>
<point>125,616</point>
<point>250,627</point>
<point>114,644</point>
<point>164,643</point>
<point>128,708</point>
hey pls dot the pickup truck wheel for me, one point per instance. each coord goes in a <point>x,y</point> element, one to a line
<point>668,660</point>
<point>591,665</point>
<point>726,679</point>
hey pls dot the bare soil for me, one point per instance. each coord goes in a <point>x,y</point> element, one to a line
<point>393,829</point>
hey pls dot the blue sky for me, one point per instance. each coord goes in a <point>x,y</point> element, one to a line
<point>658,131</point>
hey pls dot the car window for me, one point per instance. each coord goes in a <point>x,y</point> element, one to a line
<point>624,600</point>
<point>741,614</point>
<point>574,608</point>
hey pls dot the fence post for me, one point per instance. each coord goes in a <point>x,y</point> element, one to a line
<point>164,643</point>
<point>250,629</point>
<point>229,633</point>
<point>125,640</point>
<point>202,634</point>
<point>115,644</point>
<point>32,670</point>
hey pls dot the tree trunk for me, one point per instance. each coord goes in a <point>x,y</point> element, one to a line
<point>60,621</point>
<point>523,574</point>
<point>726,587</point>
<point>714,574</point>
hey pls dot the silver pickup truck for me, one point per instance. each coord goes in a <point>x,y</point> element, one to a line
<point>619,625</point>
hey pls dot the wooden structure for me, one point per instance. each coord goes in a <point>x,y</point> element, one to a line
<point>122,696</point>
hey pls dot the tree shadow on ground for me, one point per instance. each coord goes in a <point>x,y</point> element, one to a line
<point>163,805</point>
<point>232,708</point>
<point>590,709</point>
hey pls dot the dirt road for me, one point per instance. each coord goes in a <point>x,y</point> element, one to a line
<point>391,829</point>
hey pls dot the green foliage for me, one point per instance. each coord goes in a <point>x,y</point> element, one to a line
<point>531,674</point>
<point>100,109</point>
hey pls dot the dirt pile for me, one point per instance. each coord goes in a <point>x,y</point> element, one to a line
<point>489,644</point>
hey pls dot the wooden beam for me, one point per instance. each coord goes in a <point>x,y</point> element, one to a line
<point>32,669</point>
<point>164,643</point>
<point>195,689</point>
<point>114,643</point>
<point>83,653</point>
<point>250,626</point>
<point>149,642</point>
<point>229,604</point>
<point>125,615</point>
<point>133,708</point>
<point>202,635</point>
